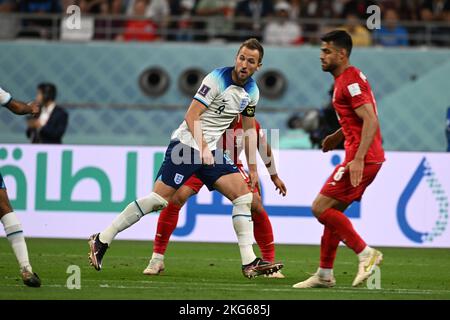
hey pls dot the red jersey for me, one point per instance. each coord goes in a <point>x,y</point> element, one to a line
<point>232,138</point>
<point>352,90</point>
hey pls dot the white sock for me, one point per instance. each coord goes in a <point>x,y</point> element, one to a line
<point>363,254</point>
<point>243,226</point>
<point>132,214</point>
<point>325,273</point>
<point>157,256</point>
<point>14,233</point>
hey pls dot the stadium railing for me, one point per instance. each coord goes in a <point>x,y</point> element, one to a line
<point>48,26</point>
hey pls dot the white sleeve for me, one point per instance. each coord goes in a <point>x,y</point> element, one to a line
<point>209,89</point>
<point>5,97</point>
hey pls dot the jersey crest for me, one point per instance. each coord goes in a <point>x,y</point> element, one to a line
<point>244,103</point>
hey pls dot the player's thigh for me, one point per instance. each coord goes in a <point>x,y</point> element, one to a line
<point>323,202</point>
<point>182,195</point>
<point>231,186</point>
<point>5,205</point>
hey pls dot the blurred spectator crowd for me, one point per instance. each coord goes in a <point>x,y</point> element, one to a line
<point>282,22</point>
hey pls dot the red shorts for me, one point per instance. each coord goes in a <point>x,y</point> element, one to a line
<point>339,187</point>
<point>196,184</point>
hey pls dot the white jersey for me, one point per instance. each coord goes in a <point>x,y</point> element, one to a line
<point>224,100</point>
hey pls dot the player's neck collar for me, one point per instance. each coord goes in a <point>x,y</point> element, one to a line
<point>343,71</point>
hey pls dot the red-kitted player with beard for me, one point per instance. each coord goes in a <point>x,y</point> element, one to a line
<point>356,109</point>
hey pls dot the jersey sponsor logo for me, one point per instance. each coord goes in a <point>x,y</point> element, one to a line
<point>178,178</point>
<point>354,89</point>
<point>204,90</point>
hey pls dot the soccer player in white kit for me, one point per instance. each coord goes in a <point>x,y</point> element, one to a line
<point>11,224</point>
<point>223,94</point>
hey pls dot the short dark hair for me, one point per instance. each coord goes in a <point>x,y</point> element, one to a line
<point>340,38</point>
<point>48,91</point>
<point>253,44</point>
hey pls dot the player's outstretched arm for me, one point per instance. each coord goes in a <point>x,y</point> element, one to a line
<point>192,119</point>
<point>19,107</point>
<point>266,154</point>
<point>332,141</point>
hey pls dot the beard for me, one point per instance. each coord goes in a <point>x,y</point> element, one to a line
<point>329,67</point>
<point>240,76</point>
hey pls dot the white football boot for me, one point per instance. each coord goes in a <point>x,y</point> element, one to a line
<point>367,263</point>
<point>155,267</point>
<point>316,281</point>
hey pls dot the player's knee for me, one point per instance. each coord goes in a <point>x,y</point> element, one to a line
<point>5,208</point>
<point>242,204</point>
<point>177,201</point>
<point>152,202</point>
<point>317,208</point>
<point>181,196</point>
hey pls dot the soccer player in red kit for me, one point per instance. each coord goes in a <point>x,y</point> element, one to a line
<point>356,109</point>
<point>168,218</point>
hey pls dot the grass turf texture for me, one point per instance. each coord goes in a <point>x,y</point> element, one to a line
<point>212,271</point>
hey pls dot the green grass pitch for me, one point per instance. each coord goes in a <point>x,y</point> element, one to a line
<point>212,271</point>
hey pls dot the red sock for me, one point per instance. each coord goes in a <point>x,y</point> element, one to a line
<point>262,230</point>
<point>167,222</point>
<point>341,225</point>
<point>328,248</point>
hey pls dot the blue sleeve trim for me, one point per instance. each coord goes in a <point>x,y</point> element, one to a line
<point>202,102</point>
